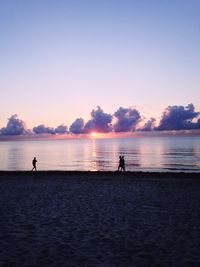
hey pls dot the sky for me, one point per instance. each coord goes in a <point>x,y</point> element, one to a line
<point>61,59</point>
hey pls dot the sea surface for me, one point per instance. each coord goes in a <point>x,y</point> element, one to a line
<point>141,154</point>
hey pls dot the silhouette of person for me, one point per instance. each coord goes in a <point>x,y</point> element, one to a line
<point>123,163</point>
<point>34,164</point>
<point>120,163</point>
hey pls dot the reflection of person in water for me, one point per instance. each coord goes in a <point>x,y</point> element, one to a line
<point>34,164</point>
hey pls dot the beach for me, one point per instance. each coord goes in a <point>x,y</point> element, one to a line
<point>91,219</point>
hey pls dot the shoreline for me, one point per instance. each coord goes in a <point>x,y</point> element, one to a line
<point>95,174</point>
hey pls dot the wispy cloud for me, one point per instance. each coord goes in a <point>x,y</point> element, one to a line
<point>148,126</point>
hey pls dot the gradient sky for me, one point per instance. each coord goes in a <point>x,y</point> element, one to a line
<point>60,59</point>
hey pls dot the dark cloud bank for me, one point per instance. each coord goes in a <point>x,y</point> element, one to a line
<point>126,119</point>
<point>179,118</point>
<point>14,126</point>
<point>42,129</point>
<point>123,120</point>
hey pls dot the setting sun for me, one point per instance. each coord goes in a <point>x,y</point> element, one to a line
<point>97,135</point>
<point>93,134</point>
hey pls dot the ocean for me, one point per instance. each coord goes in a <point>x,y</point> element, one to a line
<point>157,154</point>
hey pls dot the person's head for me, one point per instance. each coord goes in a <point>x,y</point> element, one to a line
<point>122,157</point>
<point>34,157</point>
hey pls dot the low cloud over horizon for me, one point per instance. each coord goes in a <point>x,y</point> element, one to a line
<point>122,120</point>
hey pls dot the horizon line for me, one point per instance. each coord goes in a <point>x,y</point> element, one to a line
<point>96,135</point>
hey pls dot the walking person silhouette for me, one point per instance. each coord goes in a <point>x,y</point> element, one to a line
<point>34,164</point>
<point>120,164</point>
<point>123,163</point>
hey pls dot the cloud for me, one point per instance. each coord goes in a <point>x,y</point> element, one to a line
<point>126,119</point>
<point>179,118</point>
<point>42,129</point>
<point>123,120</point>
<point>14,126</point>
<point>61,129</point>
<point>149,125</point>
<point>100,122</point>
<point>77,126</point>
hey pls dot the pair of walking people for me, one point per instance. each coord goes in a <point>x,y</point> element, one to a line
<point>121,166</point>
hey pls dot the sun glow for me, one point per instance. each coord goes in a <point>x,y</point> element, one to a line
<point>94,135</point>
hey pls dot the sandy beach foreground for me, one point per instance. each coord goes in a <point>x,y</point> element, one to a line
<point>99,219</point>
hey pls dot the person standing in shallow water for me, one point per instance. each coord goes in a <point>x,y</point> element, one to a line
<point>34,164</point>
<point>120,164</point>
<point>123,163</point>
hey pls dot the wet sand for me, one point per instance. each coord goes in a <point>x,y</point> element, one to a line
<point>106,219</point>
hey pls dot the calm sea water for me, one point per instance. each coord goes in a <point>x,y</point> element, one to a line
<point>141,154</point>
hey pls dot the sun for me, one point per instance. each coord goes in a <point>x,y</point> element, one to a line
<point>94,134</point>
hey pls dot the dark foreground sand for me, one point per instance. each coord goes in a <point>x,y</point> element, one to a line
<point>99,219</point>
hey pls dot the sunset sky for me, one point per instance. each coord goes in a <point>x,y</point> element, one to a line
<point>59,60</point>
